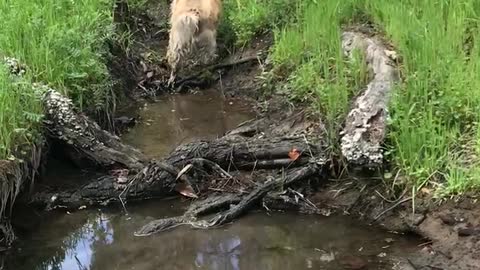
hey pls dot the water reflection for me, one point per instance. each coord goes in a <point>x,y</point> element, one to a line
<point>224,255</point>
<point>104,240</point>
<point>177,119</point>
<point>80,245</point>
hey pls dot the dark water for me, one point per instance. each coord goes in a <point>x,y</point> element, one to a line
<point>177,119</point>
<point>100,240</point>
<point>103,239</point>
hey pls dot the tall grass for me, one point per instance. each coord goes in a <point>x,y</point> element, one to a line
<point>20,114</point>
<point>62,41</point>
<point>434,136</point>
<point>437,109</point>
<point>63,44</point>
<point>248,18</point>
<point>310,53</point>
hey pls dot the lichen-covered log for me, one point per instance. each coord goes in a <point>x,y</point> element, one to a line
<point>83,138</point>
<point>365,125</point>
<point>157,179</point>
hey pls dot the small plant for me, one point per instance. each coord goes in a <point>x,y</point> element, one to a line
<point>20,114</point>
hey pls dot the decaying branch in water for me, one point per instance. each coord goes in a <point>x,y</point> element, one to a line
<point>158,179</point>
<point>237,206</point>
<point>365,125</point>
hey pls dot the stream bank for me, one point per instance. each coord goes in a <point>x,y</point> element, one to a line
<point>255,147</point>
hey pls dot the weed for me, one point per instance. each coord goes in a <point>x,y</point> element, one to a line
<point>63,44</point>
<point>434,108</point>
<point>20,114</point>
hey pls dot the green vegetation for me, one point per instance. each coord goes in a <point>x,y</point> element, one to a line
<point>20,113</point>
<point>434,137</point>
<point>248,18</point>
<point>63,44</point>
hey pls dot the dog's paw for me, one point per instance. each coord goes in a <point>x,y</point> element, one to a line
<point>171,80</point>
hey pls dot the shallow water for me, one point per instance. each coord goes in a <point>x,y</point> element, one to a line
<point>177,119</point>
<point>103,239</point>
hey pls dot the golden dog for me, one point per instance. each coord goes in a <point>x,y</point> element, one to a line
<point>193,31</point>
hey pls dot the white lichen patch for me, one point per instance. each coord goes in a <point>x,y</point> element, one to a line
<point>365,125</point>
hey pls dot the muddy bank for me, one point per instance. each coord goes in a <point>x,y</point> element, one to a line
<point>449,228</point>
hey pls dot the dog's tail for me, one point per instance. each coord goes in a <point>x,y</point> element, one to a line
<point>182,36</point>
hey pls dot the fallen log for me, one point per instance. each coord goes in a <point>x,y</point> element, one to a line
<point>292,177</point>
<point>365,125</point>
<point>158,178</point>
<point>245,204</point>
<point>83,138</point>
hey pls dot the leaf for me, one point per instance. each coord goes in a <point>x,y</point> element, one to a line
<point>425,190</point>
<point>186,190</point>
<point>183,171</point>
<point>294,154</point>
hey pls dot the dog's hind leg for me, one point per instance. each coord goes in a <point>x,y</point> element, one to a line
<point>183,29</point>
<point>207,45</point>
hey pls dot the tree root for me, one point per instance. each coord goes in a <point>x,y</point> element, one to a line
<point>195,210</point>
<point>245,204</point>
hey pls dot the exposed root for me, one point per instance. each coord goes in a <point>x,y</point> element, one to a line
<point>242,206</point>
<point>365,125</point>
<point>196,210</point>
<point>292,177</point>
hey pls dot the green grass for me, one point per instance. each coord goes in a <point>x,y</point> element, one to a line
<point>63,44</point>
<point>20,114</point>
<point>62,41</point>
<point>244,19</point>
<point>434,111</point>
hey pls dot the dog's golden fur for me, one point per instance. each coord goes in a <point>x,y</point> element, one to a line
<point>193,32</point>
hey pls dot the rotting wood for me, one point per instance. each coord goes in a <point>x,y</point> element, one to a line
<point>200,208</point>
<point>155,180</point>
<point>236,210</point>
<point>83,138</point>
<point>365,125</point>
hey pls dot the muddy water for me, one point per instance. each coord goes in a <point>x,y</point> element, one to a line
<point>103,239</point>
<point>177,119</point>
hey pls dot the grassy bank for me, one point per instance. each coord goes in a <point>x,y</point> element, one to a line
<point>63,44</point>
<point>433,136</point>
